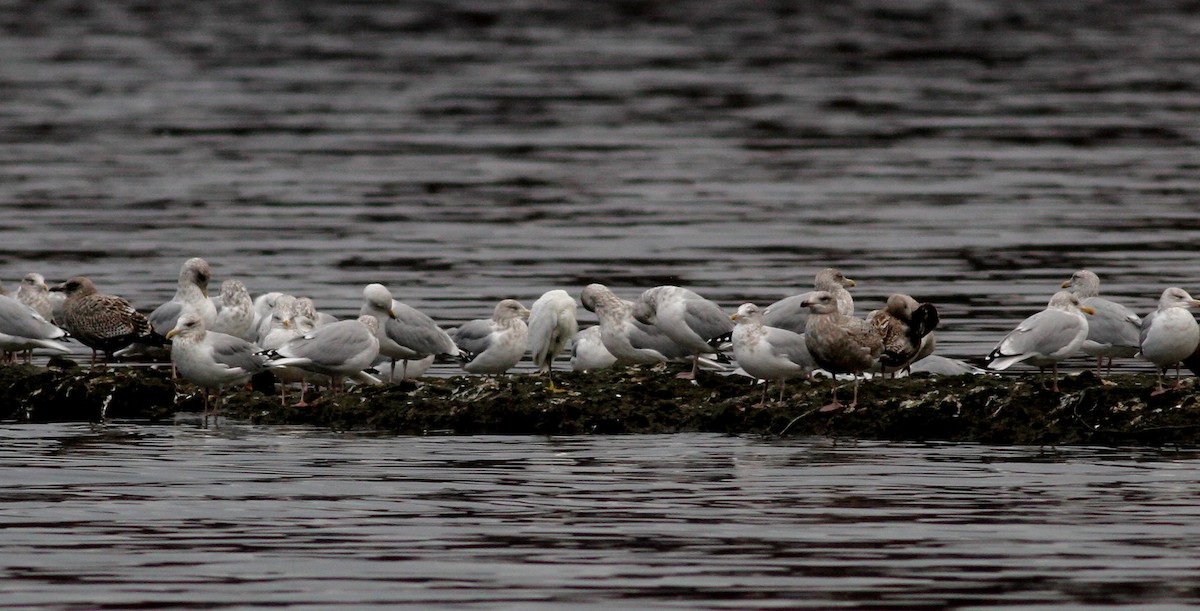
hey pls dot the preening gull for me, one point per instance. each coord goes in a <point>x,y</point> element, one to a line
<point>768,353</point>
<point>903,324</point>
<point>630,342</point>
<point>21,328</point>
<point>839,343</point>
<point>236,315</point>
<point>687,318</point>
<point>102,322</point>
<point>1114,330</point>
<point>1170,334</point>
<point>551,325</point>
<point>588,351</point>
<point>405,333</point>
<point>494,345</point>
<point>210,359</point>
<point>1045,338</point>
<point>790,313</point>
<point>339,349</point>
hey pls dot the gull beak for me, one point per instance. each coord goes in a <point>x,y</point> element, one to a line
<point>287,323</point>
<point>1196,303</point>
<point>172,333</point>
<point>1087,310</point>
<point>733,317</point>
<point>849,283</point>
<point>391,314</point>
<point>1066,284</point>
<point>58,288</point>
<point>806,303</point>
<point>525,312</point>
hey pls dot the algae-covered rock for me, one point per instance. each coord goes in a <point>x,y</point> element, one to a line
<point>987,409</point>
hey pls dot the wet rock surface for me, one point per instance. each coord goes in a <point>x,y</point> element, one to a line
<point>985,409</point>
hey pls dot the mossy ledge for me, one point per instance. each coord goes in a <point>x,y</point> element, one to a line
<point>986,409</point>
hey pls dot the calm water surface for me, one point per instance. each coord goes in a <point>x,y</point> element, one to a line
<point>127,515</point>
<point>971,153</point>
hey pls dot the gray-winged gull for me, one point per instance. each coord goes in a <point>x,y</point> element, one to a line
<point>494,345</point>
<point>102,322</point>
<point>768,353</point>
<point>1170,334</point>
<point>34,293</point>
<point>191,291</point>
<point>210,359</point>
<point>1114,330</point>
<point>405,333</point>
<point>551,325</point>
<point>789,313</point>
<point>687,318</point>
<point>22,329</point>
<point>339,350</point>
<point>588,351</point>
<point>839,343</point>
<point>1045,338</point>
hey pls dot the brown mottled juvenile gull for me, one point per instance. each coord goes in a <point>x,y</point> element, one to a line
<point>210,359</point>
<point>104,323</point>
<point>551,325</point>
<point>22,329</point>
<point>190,292</point>
<point>1170,334</point>
<point>1114,331</point>
<point>236,315</point>
<point>687,318</point>
<point>339,350</point>
<point>588,351</point>
<point>405,333</point>
<point>494,345</point>
<point>768,353</point>
<point>1045,338</point>
<point>903,324</point>
<point>839,343</point>
<point>789,313</point>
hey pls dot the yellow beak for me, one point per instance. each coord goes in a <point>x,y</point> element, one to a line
<point>1196,303</point>
<point>1087,310</point>
<point>850,283</point>
<point>172,333</point>
<point>1066,284</point>
<point>391,314</point>
<point>733,317</point>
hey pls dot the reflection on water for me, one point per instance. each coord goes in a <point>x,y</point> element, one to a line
<point>127,515</point>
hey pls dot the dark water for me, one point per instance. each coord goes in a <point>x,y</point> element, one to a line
<point>970,153</point>
<point>126,516</point>
<point>973,154</point>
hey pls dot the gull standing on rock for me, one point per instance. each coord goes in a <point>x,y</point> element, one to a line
<point>494,345</point>
<point>1045,338</point>
<point>102,322</point>
<point>588,351</point>
<point>768,353</point>
<point>551,325</point>
<point>210,359</point>
<point>404,333</point>
<point>629,341</point>
<point>1170,334</point>
<point>839,343</point>
<point>790,313</point>
<point>22,329</point>
<point>339,349</point>
<point>687,318</point>
<point>903,324</point>
<point>190,292</point>
<point>1114,331</point>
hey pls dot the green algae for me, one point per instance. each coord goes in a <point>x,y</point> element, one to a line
<point>984,409</point>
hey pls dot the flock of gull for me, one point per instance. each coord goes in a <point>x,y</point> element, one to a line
<point>221,341</point>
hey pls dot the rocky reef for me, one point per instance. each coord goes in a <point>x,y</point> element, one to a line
<point>984,409</point>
